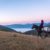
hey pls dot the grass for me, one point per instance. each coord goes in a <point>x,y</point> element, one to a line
<point>17,41</point>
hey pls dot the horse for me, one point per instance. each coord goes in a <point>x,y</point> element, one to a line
<point>39,31</point>
<point>36,28</point>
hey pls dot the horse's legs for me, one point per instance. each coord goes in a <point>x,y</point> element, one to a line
<point>46,35</point>
<point>39,34</point>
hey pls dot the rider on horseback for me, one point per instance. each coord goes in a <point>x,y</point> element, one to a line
<point>40,28</point>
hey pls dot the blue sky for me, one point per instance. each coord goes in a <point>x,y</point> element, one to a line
<point>24,11</point>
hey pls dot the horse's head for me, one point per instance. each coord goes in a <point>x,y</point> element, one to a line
<point>34,26</point>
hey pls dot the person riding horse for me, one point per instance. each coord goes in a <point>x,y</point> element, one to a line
<point>39,28</point>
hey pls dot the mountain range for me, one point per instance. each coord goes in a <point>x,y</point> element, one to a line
<point>24,25</point>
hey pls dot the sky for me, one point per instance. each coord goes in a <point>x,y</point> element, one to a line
<point>24,11</point>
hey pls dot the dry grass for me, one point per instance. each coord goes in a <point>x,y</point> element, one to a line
<point>16,41</point>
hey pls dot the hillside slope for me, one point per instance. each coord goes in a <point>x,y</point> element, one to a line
<point>4,28</point>
<point>17,41</point>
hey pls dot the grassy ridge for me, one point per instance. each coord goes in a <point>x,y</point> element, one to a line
<point>17,41</point>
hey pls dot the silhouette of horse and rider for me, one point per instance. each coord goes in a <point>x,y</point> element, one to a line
<point>39,28</point>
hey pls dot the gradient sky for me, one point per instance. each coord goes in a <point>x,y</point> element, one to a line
<point>24,11</point>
